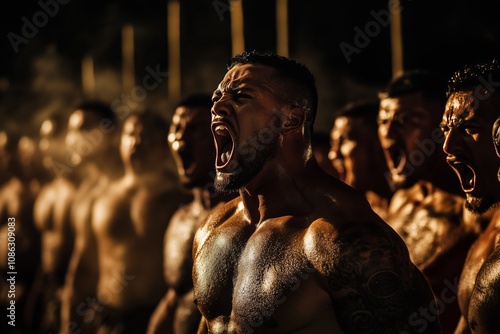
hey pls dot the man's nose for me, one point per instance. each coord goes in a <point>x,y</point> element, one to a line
<point>451,142</point>
<point>222,107</point>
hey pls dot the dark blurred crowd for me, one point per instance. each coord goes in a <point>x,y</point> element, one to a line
<point>106,208</point>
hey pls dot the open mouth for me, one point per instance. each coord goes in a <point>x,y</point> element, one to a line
<point>187,161</point>
<point>398,159</point>
<point>224,142</point>
<point>465,173</point>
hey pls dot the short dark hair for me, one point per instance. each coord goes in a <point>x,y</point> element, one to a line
<point>431,84</point>
<point>468,77</point>
<point>196,100</point>
<point>366,110</point>
<point>294,83</point>
<point>152,121</point>
<point>99,108</point>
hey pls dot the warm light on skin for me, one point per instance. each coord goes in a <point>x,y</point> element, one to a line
<point>26,146</point>
<point>3,139</point>
<point>75,122</point>
<point>46,131</point>
<point>46,128</point>
<point>467,126</point>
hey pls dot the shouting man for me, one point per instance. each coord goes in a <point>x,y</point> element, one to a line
<point>299,251</point>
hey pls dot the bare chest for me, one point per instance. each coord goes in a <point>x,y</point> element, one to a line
<point>426,231</point>
<point>246,279</point>
<point>130,213</point>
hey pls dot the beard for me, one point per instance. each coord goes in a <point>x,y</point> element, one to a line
<point>248,162</point>
<point>479,205</point>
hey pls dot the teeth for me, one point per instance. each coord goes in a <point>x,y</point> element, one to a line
<point>221,130</point>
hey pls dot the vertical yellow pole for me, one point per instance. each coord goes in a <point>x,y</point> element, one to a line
<point>88,79</point>
<point>396,38</point>
<point>237,30</point>
<point>128,71</point>
<point>174,50</point>
<point>282,27</point>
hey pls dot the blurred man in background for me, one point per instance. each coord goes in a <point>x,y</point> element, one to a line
<point>93,158</point>
<point>125,234</point>
<point>427,206</point>
<point>192,145</point>
<point>356,153</point>
<point>52,218</point>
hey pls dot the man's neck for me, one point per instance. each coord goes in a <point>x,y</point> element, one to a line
<point>277,191</point>
<point>208,199</point>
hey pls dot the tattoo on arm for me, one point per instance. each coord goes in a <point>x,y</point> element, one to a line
<point>372,288</point>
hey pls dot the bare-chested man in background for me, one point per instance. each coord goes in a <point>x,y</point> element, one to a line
<point>93,160</point>
<point>427,206</point>
<point>192,146</point>
<point>127,226</point>
<point>357,155</point>
<point>52,218</point>
<point>299,251</point>
<point>17,196</point>
<point>470,118</point>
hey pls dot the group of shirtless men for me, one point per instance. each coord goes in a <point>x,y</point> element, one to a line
<point>251,235</point>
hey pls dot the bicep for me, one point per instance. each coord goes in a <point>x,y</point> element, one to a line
<point>374,286</point>
<point>484,302</point>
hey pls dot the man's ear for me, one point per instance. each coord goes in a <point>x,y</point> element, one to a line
<point>496,135</point>
<point>294,119</point>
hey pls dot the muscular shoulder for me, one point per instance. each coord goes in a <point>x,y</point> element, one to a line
<point>328,244</point>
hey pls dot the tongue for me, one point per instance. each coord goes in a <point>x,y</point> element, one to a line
<point>226,153</point>
<point>468,179</point>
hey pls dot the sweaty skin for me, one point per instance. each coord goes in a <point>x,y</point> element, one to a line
<point>299,251</point>
<point>471,154</point>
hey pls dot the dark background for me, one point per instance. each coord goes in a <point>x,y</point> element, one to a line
<point>44,76</point>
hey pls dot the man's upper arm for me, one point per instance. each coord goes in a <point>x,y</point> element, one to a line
<point>373,285</point>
